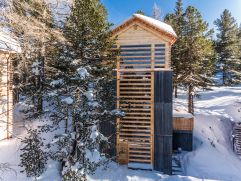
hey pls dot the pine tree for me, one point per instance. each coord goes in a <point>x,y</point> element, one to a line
<point>83,67</point>
<point>156,12</point>
<point>192,54</point>
<point>197,56</point>
<point>239,38</point>
<point>140,12</point>
<point>176,20</point>
<point>227,48</point>
<point>33,158</point>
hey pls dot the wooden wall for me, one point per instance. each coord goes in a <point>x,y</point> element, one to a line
<point>6,97</point>
<point>138,34</point>
<point>183,124</point>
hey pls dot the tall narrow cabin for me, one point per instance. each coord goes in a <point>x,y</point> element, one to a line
<point>8,47</point>
<point>144,93</point>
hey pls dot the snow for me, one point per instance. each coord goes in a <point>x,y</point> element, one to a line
<point>7,43</point>
<point>83,73</point>
<point>93,156</point>
<point>94,133</point>
<point>140,166</point>
<point>10,151</point>
<point>67,100</point>
<point>181,114</point>
<point>89,95</point>
<point>212,158</point>
<point>161,25</point>
<point>115,172</point>
<point>35,67</point>
<point>118,113</point>
<point>215,114</point>
<point>56,82</point>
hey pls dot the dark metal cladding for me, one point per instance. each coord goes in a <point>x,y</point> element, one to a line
<point>183,140</point>
<point>163,121</point>
<point>108,129</point>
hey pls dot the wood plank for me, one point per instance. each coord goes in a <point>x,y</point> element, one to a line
<point>135,88</point>
<point>139,156</point>
<point>138,101</point>
<point>127,125</point>
<point>130,117</point>
<point>134,96</point>
<point>137,122</point>
<point>134,134</point>
<point>134,84</point>
<point>136,109</point>
<point>135,92</point>
<point>135,80</point>
<point>132,66</point>
<point>143,75</point>
<point>138,113</point>
<point>139,160</point>
<point>137,130</point>
<point>138,150</point>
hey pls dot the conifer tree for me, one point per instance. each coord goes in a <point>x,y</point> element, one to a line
<point>192,54</point>
<point>239,38</point>
<point>140,12</point>
<point>197,56</point>
<point>176,20</point>
<point>82,70</point>
<point>33,158</point>
<point>227,48</point>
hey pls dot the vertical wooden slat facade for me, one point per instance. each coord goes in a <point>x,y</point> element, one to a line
<point>144,53</point>
<point>6,96</point>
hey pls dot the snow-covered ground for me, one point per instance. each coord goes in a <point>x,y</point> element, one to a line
<point>212,158</point>
<point>215,113</point>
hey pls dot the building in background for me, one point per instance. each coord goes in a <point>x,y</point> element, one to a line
<point>8,47</point>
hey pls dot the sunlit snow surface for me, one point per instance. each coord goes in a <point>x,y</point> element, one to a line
<point>212,158</point>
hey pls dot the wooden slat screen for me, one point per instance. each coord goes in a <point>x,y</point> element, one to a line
<point>135,127</point>
<point>135,93</point>
<point>140,56</point>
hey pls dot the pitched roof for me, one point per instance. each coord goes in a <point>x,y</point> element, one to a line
<point>156,24</point>
<point>159,24</point>
<point>8,44</point>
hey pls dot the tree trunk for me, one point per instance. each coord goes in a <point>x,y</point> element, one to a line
<point>190,100</point>
<point>224,77</point>
<point>175,91</point>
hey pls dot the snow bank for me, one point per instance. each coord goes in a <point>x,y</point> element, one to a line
<point>215,114</point>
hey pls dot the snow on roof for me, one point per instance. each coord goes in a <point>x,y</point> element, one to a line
<point>8,44</point>
<point>181,114</point>
<point>158,24</point>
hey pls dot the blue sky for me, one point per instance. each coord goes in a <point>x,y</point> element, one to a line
<point>120,10</point>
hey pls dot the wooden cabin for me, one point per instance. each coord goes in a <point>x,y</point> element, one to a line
<point>8,47</point>
<point>144,93</point>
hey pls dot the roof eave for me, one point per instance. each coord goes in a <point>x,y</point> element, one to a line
<point>115,31</point>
